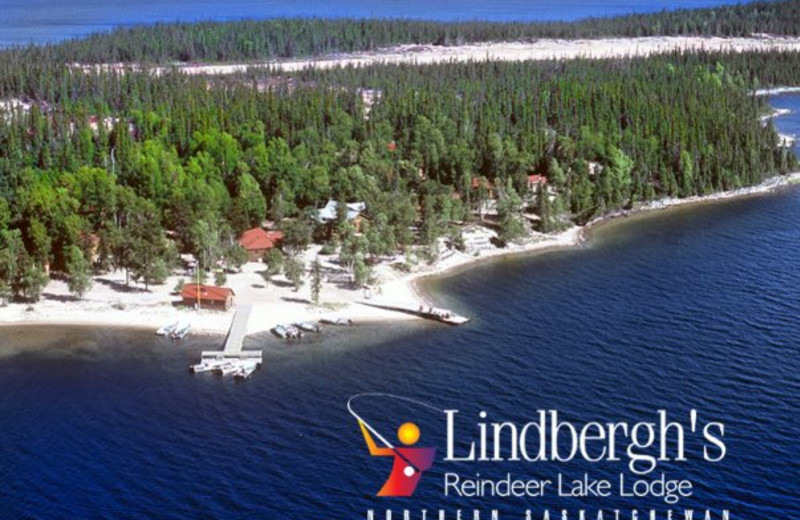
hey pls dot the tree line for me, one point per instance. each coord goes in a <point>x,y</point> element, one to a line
<point>128,169</point>
<point>288,38</point>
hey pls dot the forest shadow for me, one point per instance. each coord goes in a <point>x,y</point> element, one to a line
<point>295,300</point>
<point>119,286</point>
<point>62,298</point>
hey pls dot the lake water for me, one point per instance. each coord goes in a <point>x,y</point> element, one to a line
<point>694,308</point>
<point>25,21</point>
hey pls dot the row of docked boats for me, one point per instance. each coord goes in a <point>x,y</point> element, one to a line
<point>175,330</point>
<point>297,330</point>
<point>238,368</point>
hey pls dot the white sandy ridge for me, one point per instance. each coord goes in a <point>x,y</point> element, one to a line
<point>544,49</point>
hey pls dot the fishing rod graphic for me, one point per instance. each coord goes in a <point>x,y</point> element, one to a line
<point>376,433</point>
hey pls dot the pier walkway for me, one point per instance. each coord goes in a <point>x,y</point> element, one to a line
<point>423,311</point>
<point>235,339</point>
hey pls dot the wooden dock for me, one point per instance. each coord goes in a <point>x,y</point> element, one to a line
<point>235,339</point>
<point>423,311</point>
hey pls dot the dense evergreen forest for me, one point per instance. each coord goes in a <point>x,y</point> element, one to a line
<point>254,40</point>
<point>127,169</point>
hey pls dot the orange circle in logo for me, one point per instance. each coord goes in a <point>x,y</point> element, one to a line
<point>408,433</point>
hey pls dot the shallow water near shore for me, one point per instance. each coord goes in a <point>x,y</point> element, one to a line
<point>691,308</point>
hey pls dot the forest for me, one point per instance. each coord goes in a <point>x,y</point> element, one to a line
<point>288,38</point>
<point>122,169</point>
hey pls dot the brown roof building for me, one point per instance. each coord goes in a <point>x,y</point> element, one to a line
<point>209,296</point>
<point>257,242</point>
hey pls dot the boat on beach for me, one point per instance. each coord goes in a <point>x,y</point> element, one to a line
<point>167,329</point>
<point>337,320</point>
<point>181,330</point>
<point>308,326</point>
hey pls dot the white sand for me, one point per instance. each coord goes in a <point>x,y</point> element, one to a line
<point>777,91</point>
<point>274,303</point>
<point>544,49</point>
<point>278,303</point>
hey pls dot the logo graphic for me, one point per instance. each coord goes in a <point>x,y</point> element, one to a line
<point>409,461</point>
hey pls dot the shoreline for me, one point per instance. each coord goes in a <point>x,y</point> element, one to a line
<point>542,49</point>
<point>408,288</point>
<point>578,235</point>
<point>539,50</point>
<point>776,91</point>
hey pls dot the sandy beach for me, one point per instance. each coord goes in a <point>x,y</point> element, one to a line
<point>111,303</point>
<point>544,49</point>
<point>538,50</point>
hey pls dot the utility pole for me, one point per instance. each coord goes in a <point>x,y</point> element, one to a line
<point>198,284</point>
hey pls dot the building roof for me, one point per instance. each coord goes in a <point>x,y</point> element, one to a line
<point>256,239</point>
<point>354,209</point>
<point>536,179</point>
<point>207,292</point>
<point>481,182</point>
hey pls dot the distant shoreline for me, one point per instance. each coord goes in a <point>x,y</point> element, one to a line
<point>506,51</point>
<point>577,235</point>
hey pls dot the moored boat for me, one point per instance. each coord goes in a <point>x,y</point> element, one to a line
<point>337,320</point>
<point>444,316</point>
<point>280,331</point>
<point>245,369</point>
<point>308,326</point>
<point>207,365</point>
<point>181,330</point>
<point>229,369</point>
<point>167,329</point>
<point>287,332</point>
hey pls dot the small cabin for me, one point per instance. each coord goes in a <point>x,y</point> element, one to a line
<point>257,242</point>
<point>208,296</point>
<point>328,214</point>
<point>534,181</point>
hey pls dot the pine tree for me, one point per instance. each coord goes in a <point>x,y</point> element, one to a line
<point>78,271</point>
<point>316,281</point>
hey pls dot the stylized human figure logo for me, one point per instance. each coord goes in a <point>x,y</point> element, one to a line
<point>409,463</point>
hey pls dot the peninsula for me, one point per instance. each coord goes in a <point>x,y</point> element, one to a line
<point>302,175</point>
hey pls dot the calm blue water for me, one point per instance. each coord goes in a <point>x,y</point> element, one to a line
<point>25,21</point>
<point>789,124</point>
<point>696,308</point>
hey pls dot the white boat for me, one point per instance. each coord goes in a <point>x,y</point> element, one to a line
<point>454,319</point>
<point>280,331</point>
<point>287,332</point>
<point>229,369</point>
<point>246,369</point>
<point>308,326</point>
<point>167,329</point>
<point>181,330</point>
<point>443,315</point>
<point>207,365</point>
<point>336,320</point>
